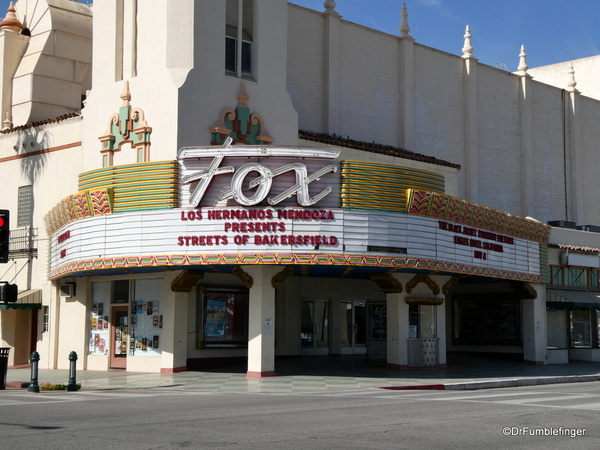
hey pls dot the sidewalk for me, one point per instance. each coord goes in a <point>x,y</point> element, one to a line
<point>326,374</point>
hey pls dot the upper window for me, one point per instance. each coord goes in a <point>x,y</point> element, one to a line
<point>238,37</point>
<point>575,277</point>
<point>25,213</point>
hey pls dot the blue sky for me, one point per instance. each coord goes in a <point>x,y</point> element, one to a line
<point>551,30</point>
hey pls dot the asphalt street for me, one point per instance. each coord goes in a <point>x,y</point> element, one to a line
<point>549,417</point>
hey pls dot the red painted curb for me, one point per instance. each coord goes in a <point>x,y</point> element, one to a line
<point>417,387</point>
<point>17,384</point>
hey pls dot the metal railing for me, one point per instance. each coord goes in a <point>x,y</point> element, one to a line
<point>23,242</point>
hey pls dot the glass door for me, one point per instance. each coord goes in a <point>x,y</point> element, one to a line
<point>314,327</point>
<point>353,327</point>
<point>119,335</point>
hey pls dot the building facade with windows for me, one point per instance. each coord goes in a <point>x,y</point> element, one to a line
<point>305,188</point>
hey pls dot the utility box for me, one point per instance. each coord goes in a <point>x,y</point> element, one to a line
<point>423,352</point>
<point>4,352</point>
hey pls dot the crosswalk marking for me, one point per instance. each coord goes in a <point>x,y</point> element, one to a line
<point>545,399</point>
<point>29,398</point>
<point>522,401</point>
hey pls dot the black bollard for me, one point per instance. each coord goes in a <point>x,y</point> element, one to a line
<point>72,386</point>
<point>33,384</point>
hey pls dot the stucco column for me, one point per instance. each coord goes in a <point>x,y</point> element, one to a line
<point>331,69</point>
<point>397,331</point>
<point>575,207</point>
<point>527,156</point>
<point>534,329</point>
<point>261,321</point>
<point>407,93</point>
<point>470,114</point>
<point>397,326</point>
<point>12,48</point>
<point>441,281</point>
<point>174,335</point>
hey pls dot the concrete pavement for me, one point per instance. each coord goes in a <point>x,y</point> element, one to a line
<point>333,373</point>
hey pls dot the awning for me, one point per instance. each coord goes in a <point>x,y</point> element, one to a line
<point>27,299</point>
<point>572,299</point>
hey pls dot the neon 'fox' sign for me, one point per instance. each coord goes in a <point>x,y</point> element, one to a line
<point>263,182</point>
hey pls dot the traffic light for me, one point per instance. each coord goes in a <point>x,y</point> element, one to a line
<point>4,234</point>
<point>8,292</point>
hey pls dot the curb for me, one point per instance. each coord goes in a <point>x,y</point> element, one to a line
<point>416,387</point>
<point>17,384</point>
<point>493,384</point>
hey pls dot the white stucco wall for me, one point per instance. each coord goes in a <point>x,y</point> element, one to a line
<point>368,76</point>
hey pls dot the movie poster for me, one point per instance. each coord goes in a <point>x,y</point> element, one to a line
<point>216,317</point>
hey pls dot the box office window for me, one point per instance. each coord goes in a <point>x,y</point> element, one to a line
<point>487,321</point>
<point>422,321</point>
<point>223,318</point>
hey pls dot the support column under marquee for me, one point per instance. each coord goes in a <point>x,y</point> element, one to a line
<point>174,336</point>
<point>441,335</point>
<point>397,331</point>
<point>534,327</point>
<point>397,326</point>
<point>261,321</point>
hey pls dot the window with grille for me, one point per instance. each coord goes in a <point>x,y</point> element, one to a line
<point>46,319</point>
<point>25,213</point>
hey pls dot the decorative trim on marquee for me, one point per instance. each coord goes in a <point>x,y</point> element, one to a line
<point>79,206</point>
<point>296,259</point>
<point>452,209</point>
<point>240,125</point>
<point>127,126</point>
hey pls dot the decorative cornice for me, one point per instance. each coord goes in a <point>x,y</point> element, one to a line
<point>281,276</point>
<point>239,124</point>
<point>449,285</point>
<point>523,290</point>
<point>387,283</point>
<point>247,279</point>
<point>422,278</point>
<point>186,280</point>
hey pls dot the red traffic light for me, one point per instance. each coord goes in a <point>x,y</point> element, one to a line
<point>4,235</point>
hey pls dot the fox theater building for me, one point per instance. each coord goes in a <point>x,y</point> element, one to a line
<point>269,250</point>
<point>308,187</point>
